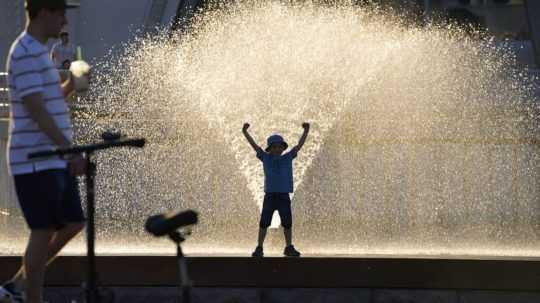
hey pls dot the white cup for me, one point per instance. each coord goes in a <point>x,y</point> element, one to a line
<point>80,69</point>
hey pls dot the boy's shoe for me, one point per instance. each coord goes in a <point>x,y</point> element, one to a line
<point>258,252</point>
<point>9,294</point>
<point>291,252</point>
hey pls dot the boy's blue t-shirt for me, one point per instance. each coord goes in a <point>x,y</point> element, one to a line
<point>278,173</point>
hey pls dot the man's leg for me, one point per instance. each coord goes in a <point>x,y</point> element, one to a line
<point>58,240</point>
<point>61,238</point>
<point>35,259</point>
<point>262,235</point>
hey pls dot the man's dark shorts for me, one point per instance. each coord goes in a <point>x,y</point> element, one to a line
<point>49,199</point>
<point>280,202</point>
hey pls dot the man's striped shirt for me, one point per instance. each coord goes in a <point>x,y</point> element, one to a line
<point>30,71</point>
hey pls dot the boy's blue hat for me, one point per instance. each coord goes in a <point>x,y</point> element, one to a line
<point>276,139</point>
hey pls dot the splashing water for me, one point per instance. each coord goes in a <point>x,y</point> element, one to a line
<point>424,140</point>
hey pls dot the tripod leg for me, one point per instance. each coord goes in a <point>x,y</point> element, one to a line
<point>91,296</point>
<point>183,277</point>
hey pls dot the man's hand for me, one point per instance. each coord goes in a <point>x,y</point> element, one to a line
<point>68,85</point>
<point>77,165</point>
<point>305,125</point>
<point>245,127</point>
<point>64,75</point>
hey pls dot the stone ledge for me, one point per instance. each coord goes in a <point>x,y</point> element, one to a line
<point>414,296</point>
<point>308,272</point>
<point>479,296</point>
<point>292,295</point>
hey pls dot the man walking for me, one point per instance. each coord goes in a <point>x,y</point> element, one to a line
<point>46,187</point>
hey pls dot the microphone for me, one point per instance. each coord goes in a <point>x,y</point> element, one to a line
<point>161,225</point>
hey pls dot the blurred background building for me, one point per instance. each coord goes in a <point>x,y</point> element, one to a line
<point>101,26</point>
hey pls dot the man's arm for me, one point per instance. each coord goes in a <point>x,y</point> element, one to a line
<point>36,108</point>
<point>29,83</point>
<point>68,85</point>
<point>256,147</point>
<point>302,140</point>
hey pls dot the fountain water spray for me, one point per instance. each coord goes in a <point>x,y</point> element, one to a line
<point>424,140</point>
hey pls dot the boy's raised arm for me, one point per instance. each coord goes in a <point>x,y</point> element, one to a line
<point>256,147</point>
<point>305,125</point>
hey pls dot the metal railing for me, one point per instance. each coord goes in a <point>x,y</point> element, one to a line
<point>7,194</point>
<point>4,99</point>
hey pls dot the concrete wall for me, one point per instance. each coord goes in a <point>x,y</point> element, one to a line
<point>13,21</point>
<point>104,25</point>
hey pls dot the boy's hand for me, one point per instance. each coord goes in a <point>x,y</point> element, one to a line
<point>246,126</point>
<point>305,125</point>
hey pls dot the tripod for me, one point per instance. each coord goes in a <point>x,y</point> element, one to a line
<point>183,278</point>
<point>91,289</point>
<point>170,225</point>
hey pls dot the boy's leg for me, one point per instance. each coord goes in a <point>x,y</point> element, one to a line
<point>285,214</point>
<point>288,236</point>
<point>286,221</point>
<point>35,259</point>
<point>266,218</point>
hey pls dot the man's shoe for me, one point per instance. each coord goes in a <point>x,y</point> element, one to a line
<point>291,252</point>
<point>10,294</point>
<point>258,252</point>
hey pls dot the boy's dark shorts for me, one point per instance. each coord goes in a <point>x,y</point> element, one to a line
<point>49,199</point>
<point>280,202</point>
